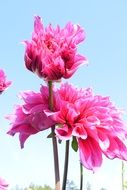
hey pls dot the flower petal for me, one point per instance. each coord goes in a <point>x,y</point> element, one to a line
<point>90,153</point>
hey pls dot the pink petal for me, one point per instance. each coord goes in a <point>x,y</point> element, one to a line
<point>63,132</point>
<point>90,153</point>
<point>117,149</point>
<point>79,131</point>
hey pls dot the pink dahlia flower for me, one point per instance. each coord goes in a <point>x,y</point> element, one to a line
<point>95,123</point>
<point>3,83</point>
<point>52,53</point>
<point>30,118</point>
<point>3,184</point>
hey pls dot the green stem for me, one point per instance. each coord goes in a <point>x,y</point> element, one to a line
<point>122,175</point>
<point>54,142</point>
<point>66,165</point>
<point>81,176</point>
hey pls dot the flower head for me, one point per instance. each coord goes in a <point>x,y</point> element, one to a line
<point>3,184</point>
<point>52,53</point>
<point>95,123</point>
<point>30,118</point>
<point>3,83</point>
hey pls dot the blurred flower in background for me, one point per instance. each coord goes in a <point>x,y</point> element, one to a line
<point>3,184</point>
<point>4,84</point>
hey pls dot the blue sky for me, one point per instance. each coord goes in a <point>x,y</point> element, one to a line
<point>105,23</point>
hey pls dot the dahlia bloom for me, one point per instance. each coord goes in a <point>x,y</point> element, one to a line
<point>30,118</point>
<point>52,53</point>
<point>3,184</point>
<point>95,123</point>
<point>3,83</point>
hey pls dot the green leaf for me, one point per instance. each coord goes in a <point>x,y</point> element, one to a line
<point>74,144</point>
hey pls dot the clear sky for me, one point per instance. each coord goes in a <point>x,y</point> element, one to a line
<point>105,23</point>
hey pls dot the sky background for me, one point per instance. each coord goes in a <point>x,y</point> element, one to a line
<point>105,24</point>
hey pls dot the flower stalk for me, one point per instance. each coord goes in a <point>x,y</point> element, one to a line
<point>54,142</point>
<point>122,175</point>
<point>81,176</point>
<point>66,165</point>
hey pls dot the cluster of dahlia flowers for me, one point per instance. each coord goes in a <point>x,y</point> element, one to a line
<point>92,119</point>
<point>92,122</point>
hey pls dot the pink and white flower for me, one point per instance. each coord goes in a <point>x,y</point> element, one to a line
<point>95,122</point>
<point>52,53</point>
